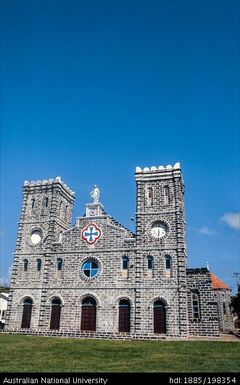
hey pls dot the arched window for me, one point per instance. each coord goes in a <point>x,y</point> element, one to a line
<point>124,316</point>
<point>60,237</point>
<point>149,196</point>
<point>195,305</point>
<point>27,313</point>
<point>39,264</point>
<point>25,265</point>
<point>32,204</point>
<point>60,208</point>
<point>166,195</point>
<point>66,212</point>
<point>150,262</point>
<point>125,262</point>
<point>168,262</point>
<point>46,202</point>
<point>59,264</point>
<point>55,314</point>
<point>88,320</point>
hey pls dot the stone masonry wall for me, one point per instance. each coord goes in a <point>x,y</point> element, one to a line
<point>225,318</point>
<point>199,281</point>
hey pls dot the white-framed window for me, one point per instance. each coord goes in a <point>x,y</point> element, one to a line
<point>149,196</point>
<point>166,194</point>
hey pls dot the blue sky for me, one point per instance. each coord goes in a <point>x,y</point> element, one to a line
<point>92,89</point>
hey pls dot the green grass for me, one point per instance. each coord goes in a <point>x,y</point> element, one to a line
<point>44,354</point>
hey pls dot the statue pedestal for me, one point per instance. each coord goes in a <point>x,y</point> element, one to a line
<point>94,209</point>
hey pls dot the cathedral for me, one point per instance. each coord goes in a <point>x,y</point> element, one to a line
<point>97,279</point>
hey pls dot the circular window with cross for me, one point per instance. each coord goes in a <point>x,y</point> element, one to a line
<point>90,269</point>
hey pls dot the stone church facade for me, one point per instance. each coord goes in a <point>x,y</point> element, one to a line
<point>98,279</point>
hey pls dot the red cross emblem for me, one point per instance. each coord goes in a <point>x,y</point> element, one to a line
<point>91,233</point>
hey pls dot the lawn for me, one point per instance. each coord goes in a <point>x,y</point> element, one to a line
<point>50,354</point>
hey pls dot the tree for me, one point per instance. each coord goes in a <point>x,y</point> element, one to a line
<point>235,303</point>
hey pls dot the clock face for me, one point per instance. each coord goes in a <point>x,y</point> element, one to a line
<point>158,230</point>
<point>36,237</point>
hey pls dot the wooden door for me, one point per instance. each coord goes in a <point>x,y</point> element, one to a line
<point>88,320</point>
<point>159,318</point>
<point>124,316</point>
<point>55,316</point>
<point>27,314</point>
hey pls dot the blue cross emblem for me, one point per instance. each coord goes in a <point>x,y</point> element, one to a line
<point>91,233</point>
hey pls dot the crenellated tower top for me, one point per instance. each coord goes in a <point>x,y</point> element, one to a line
<point>154,169</point>
<point>49,183</point>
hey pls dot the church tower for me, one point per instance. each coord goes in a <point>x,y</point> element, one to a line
<point>46,213</point>
<point>161,260</point>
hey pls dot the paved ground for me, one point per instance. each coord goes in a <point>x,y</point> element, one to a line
<point>223,337</point>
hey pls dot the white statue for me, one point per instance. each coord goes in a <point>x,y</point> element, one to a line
<point>95,194</point>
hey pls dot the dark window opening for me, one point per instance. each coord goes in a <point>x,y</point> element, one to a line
<point>168,260</point>
<point>59,264</point>
<point>150,262</point>
<point>39,264</point>
<point>125,262</point>
<point>25,265</point>
<point>89,301</point>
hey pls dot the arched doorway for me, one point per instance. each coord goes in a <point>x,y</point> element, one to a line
<point>55,314</point>
<point>124,316</point>
<point>159,312</point>
<point>27,313</point>
<point>88,320</point>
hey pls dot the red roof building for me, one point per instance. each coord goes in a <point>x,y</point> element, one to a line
<point>217,283</point>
